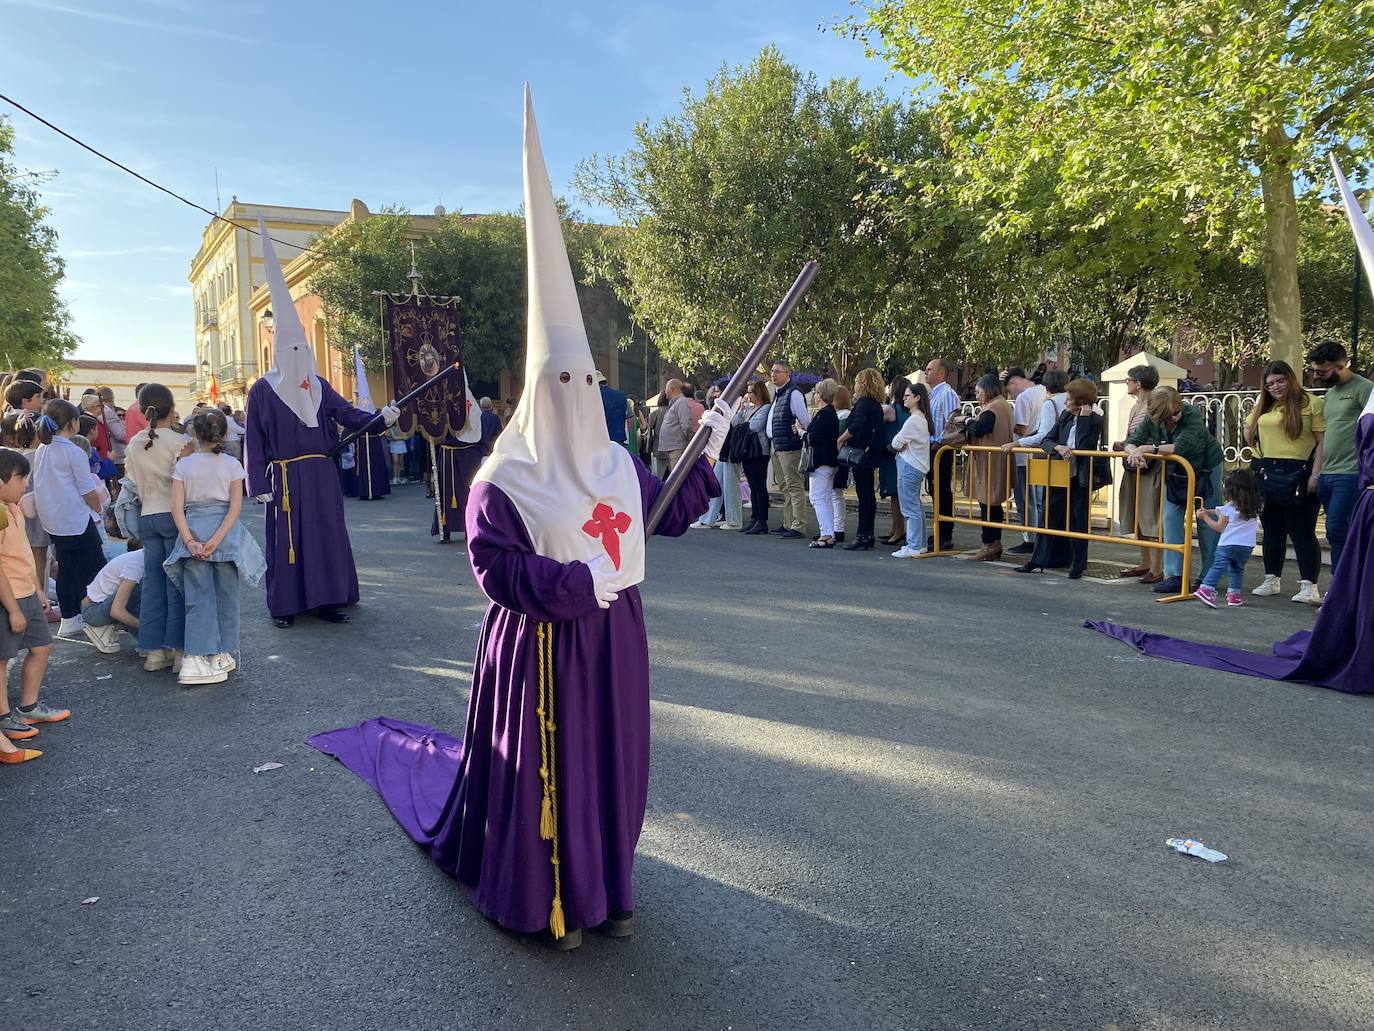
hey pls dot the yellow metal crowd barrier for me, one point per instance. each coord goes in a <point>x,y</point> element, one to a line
<point>1053,473</point>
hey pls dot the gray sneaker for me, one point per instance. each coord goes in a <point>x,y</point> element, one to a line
<point>43,713</point>
<point>12,727</point>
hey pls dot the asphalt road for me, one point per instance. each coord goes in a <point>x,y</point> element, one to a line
<point>884,795</point>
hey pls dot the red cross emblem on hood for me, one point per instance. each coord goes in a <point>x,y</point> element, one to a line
<point>608,524</point>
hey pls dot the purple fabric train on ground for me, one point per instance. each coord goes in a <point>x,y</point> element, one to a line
<point>1339,651</point>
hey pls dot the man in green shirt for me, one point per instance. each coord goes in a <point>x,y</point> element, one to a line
<point>1338,486</point>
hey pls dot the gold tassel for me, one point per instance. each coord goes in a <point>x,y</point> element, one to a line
<point>546,817</point>
<point>556,927</point>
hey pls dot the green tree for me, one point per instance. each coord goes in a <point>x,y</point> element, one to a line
<point>481,259</point>
<point>33,320</point>
<point>1216,104</point>
<point>726,200</point>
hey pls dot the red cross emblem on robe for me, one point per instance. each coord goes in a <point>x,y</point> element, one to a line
<point>305,385</point>
<point>608,524</point>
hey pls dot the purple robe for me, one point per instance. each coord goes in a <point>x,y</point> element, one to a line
<point>373,466</point>
<point>309,560</point>
<point>1338,652</point>
<point>458,463</point>
<point>474,805</point>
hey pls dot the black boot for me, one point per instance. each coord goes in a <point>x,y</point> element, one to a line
<point>332,614</point>
<point>861,542</point>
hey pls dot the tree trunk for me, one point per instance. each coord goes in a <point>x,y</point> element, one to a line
<point>1281,250</point>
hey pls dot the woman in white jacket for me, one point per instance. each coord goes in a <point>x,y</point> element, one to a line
<point>912,447</point>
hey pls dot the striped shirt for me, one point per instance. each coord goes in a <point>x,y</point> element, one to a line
<point>944,402</point>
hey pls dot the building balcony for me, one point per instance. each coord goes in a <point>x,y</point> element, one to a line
<point>208,318</point>
<point>235,374</point>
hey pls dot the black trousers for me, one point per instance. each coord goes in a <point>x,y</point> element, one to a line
<point>992,514</point>
<point>868,501</point>
<point>1296,523</point>
<point>1057,552</point>
<point>945,479</point>
<point>79,561</point>
<point>756,475</point>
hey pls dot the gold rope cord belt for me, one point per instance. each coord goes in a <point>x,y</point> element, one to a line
<point>282,463</point>
<point>548,760</point>
<point>452,474</point>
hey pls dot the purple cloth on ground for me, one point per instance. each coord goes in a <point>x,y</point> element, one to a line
<point>458,463</point>
<point>1338,652</point>
<point>474,806</point>
<point>373,466</point>
<point>323,573</point>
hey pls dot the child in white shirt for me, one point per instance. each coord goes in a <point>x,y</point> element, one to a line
<point>1236,521</point>
<point>212,552</point>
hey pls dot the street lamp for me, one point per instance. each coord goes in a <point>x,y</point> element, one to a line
<point>268,321</point>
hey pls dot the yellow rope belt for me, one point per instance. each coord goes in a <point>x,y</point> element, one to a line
<point>281,464</point>
<point>548,764</point>
<point>452,473</point>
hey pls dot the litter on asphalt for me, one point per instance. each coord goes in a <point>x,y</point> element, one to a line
<point>1189,847</point>
<point>267,766</point>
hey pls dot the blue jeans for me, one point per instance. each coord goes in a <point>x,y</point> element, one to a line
<point>1338,493</point>
<point>1206,537</point>
<point>97,613</point>
<point>1231,561</point>
<point>212,607</point>
<point>162,616</point>
<point>1030,501</point>
<point>730,501</point>
<point>909,500</point>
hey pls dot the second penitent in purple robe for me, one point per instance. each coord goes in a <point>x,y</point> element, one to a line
<point>537,809</point>
<point>294,418</point>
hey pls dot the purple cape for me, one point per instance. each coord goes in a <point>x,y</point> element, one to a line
<point>309,560</point>
<point>456,465</point>
<point>373,466</point>
<point>474,805</point>
<point>1338,652</point>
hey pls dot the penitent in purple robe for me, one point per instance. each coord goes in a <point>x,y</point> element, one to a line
<point>457,465</point>
<point>373,466</point>
<point>309,560</point>
<point>474,804</point>
<point>1338,652</point>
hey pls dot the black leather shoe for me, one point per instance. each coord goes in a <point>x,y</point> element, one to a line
<point>1029,567</point>
<point>620,924</point>
<point>789,535</point>
<point>284,622</point>
<point>332,614</point>
<point>1024,548</point>
<point>779,530</point>
<point>859,543</point>
<point>839,537</point>
<point>757,529</point>
<point>1075,574</point>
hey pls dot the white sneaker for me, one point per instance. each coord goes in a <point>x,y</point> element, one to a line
<point>105,638</point>
<point>1270,586</point>
<point>71,626</point>
<point>159,658</point>
<point>177,656</point>
<point>730,526</point>
<point>200,669</point>
<point>224,661</point>
<point>906,551</point>
<point>1308,593</point>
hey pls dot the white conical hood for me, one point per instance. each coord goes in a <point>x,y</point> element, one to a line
<point>1359,224</point>
<point>577,492</point>
<point>364,388</point>
<point>293,374</point>
<point>471,430</point>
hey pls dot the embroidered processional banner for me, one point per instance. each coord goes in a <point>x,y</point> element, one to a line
<point>425,338</point>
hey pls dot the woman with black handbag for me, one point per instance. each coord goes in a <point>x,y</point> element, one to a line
<point>822,438</point>
<point>1289,428</point>
<point>751,451</point>
<point>861,448</point>
<point>1078,428</point>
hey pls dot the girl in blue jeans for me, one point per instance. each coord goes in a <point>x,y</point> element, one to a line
<point>212,551</point>
<point>1236,522</point>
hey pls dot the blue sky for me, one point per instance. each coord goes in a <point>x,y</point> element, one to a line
<point>313,103</point>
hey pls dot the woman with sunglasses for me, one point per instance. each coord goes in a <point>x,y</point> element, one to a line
<point>1288,428</point>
